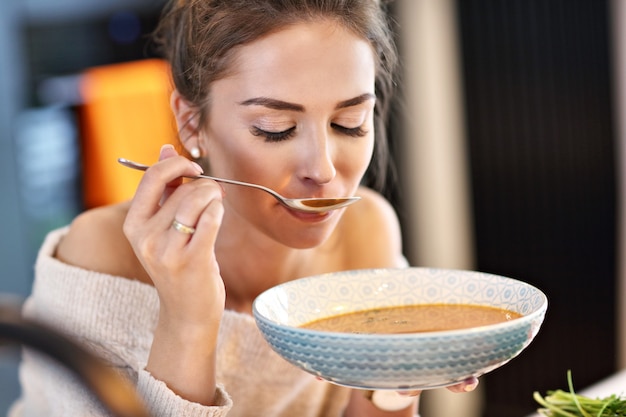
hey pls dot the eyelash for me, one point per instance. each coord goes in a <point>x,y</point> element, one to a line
<point>274,136</point>
<point>355,132</point>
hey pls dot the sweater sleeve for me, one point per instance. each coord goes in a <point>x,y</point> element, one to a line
<point>163,402</point>
<point>111,316</point>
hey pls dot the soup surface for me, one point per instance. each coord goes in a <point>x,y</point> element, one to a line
<point>413,319</point>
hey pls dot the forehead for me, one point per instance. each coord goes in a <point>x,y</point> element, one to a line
<point>319,58</point>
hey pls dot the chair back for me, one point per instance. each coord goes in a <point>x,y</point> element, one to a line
<point>125,113</point>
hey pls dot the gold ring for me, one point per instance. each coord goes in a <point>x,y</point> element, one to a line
<point>183,228</point>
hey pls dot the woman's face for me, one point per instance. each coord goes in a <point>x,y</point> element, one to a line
<point>295,115</point>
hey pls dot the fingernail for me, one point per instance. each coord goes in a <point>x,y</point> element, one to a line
<point>198,167</point>
<point>471,386</point>
<point>164,149</point>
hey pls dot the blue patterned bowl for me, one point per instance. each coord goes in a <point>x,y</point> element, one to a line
<point>397,361</point>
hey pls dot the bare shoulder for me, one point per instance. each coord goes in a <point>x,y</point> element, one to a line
<point>372,232</point>
<point>95,241</point>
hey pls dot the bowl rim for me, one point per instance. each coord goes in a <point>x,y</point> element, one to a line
<point>539,312</point>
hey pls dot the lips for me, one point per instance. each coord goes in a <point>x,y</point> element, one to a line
<point>309,217</point>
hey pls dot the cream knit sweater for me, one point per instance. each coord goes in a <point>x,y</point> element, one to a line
<point>115,318</point>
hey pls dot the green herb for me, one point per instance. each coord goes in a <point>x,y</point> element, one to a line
<point>561,403</point>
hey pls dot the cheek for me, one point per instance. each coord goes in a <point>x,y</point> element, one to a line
<point>243,163</point>
<point>230,157</point>
<point>247,165</point>
<point>361,157</point>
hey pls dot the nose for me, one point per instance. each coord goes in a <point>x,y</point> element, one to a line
<point>318,164</point>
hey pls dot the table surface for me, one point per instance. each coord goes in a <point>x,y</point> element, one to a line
<point>614,384</point>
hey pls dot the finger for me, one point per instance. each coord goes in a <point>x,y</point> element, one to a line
<point>467,385</point>
<point>392,400</point>
<point>208,225</point>
<point>167,151</point>
<point>162,176</point>
<point>186,206</point>
<point>410,393</point>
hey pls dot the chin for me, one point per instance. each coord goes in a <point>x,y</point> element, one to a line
<point>307,238</point>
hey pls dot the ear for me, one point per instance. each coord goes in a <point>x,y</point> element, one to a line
<point>188,123</point>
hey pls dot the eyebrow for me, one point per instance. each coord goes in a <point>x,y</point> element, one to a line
<point>285,105</point>
<point>356,100</point>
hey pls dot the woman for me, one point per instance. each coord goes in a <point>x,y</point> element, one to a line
<point>287,94</point>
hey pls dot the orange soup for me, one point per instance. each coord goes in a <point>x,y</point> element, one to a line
<point>413,319</point>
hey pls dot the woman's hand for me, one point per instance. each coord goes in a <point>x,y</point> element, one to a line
<point>182,265</point>
<point>394,403</point>
<point>468,385</point>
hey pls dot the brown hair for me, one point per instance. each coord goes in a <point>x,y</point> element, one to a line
<point>198,37</point>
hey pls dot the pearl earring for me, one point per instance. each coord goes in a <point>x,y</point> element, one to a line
<point>195,152</point>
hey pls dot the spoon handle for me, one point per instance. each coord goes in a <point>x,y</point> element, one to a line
<point>141,167</point>
<point>309,205</point>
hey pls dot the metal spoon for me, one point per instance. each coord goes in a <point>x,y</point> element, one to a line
<point>309,205</point>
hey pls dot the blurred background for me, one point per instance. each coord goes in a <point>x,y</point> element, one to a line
<point>507,136</point>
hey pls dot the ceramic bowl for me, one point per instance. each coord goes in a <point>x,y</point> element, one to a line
<point>397,361</point>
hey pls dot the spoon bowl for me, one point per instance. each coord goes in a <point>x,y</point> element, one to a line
<point>308,205</point>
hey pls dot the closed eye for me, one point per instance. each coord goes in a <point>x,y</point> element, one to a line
<point>274,136</point>
<point>356,132</point>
